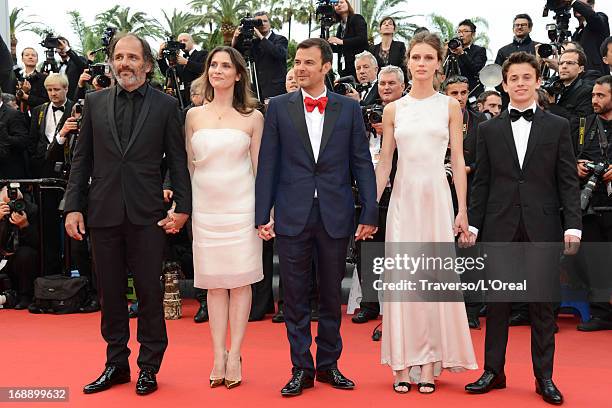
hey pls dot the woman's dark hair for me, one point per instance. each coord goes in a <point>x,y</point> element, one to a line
<point>388,18</point>
<point>426,37</point>
<point>243,101</point>
<point>351,11</point>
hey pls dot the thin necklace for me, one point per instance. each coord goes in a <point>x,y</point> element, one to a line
<point>219,115</point>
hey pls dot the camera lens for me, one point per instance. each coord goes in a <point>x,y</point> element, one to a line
<point>454,43</point>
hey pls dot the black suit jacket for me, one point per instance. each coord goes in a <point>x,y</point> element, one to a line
<point>270,56</point>
<point>397,56</point>
<point>596,31</point>
<point>6,65</point>
<point>76,66</point>
<point>372,96</point>
<point>15,134</point>
<point>39,143</point>
<point>128,183</point>
<point>355,41</point>
<point>471,62</point>
<point>503,193</point>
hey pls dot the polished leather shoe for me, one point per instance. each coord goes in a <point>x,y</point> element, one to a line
<point>24,303</point>
<point>314,315</point>
<point>299,381</point>
<point>202,315</point>
<point>147,383</point>
<point>595,324</point>
<point>363,317</point>
<point>487,382</point>
<point>112,375</point>
<point>519,320</point>
<point>474,322</point>
<point>549,392</point>
<point>334,377</point>
<point>91,307</point>
<point>279,317</point>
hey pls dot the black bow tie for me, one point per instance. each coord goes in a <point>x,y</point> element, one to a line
<point>57,108</point>
<point>516,115</point>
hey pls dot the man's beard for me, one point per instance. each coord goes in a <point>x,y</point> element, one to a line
<point>135,78</point>
<point>604,110</point>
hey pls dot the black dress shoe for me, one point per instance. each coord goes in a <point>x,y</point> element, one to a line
<point>299,381</point>
<point>487,382</point>
<point>147,383</point>
<point>363,317</point>
<point>279,317</point>
<point>474,322</point>
<point>595,324</point>
<point>334,377</point>
<point>112,375</point>
<point>519,319</point>
<point>24,302</point>
<point>549,392</point>
<point>202,315</point>
<point>90,307</point>
<point>314,315</point>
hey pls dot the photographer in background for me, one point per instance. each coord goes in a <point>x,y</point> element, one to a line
<point>93,81</point>
<point>389,51</point>
<point>391,86</point>
<point>30,88</point>
<point>470,57</point>
<point>592,30</point>
<point>521,27</point>
<point>269,52</point>
<point>574,100</point>
<point>189,63</point>
<point>22,260</point>
<point>490,103</point>
<point>351,37</point>
<point>366,92</point>
<point>595,148</point>
<point>14,140</point>
<point>606,51</point>
<point>71,64</point>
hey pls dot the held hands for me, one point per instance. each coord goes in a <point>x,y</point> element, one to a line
<point>461,228</point>
<point>572,244</point>
<point>173,222</point>
<point>75,225</point>
<point>168,195</point>
<point>266,232</point>
<point>365,232</point>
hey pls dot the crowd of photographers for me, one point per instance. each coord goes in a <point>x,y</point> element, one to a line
<point>40,114</point>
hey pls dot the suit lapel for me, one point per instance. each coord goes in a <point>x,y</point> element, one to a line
<point>536,125</point>
<point>146,104</point>
<point>509,137</point>
<point>3,111</point>
<point>332,113</point>
<point>296,113</point>
<point>111,117</point>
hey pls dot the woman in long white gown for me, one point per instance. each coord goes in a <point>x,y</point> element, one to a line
<point>422,338</point>
<point>222,140</point>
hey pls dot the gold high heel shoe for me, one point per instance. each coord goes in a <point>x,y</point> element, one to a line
<point>216,382</point>
<point>229,384</point>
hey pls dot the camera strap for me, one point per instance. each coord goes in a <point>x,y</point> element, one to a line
<point>603,140</point>
<point>582,131</point>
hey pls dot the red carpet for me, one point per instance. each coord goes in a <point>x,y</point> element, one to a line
<point>67,351</point>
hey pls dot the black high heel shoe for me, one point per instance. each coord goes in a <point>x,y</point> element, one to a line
<point>426,385</point>
<point>401,384</point>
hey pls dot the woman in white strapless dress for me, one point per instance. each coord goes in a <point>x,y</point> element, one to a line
<point>422,338</point>
<point>222,141</point>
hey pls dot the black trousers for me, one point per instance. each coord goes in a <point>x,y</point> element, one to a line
<point>295,255</point>
<point>141,249</point>
<point>542,318</point>
<point>597,228</point>
<point>22,267</point>
<point>263,297</point>
<point>52,231</point>
<point>314,289</point>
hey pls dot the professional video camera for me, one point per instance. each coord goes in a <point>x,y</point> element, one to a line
<point>554,86</point>
<point>100,72</point>
<point>247,29</point>
<point>107,38</point>
<point>50,43</point>
<point>345,84</point>
<point>326,16</point>
<point>9,237</point>
<point>559,32</point>
<point>172,48</point>
<point>598,170</point>
<point>451,64</point>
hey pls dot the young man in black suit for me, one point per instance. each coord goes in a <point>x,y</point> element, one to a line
<point>525,172</point>
<point>125,132</point>
<point>14,138</point>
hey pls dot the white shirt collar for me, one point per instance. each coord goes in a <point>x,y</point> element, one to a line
<point>267,37</point>
<point>532,107</point>
<point>1,103</point>
<point>305,94</point>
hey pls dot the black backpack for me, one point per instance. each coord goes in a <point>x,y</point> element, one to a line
<point>59,294</point>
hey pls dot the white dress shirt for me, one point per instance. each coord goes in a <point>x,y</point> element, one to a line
<point>520,132</point>
<point>314,124</point>
<point>53,118</point>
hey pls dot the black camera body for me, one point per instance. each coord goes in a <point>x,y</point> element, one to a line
<point>455,43</point>
<point>172,49</point>
<point>563,15</point>
<point>554,86</point>
<point>15,204</point>
<point>100,72</point>
<point>598,170</point>
<point>247,30</point>
<point>372,114</point>
<point>107,36</point>
<point>50,42</point>
<point>345,84</point>
<point>326,15</point>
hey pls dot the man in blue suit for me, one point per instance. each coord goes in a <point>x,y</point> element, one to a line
<point>313,145</point>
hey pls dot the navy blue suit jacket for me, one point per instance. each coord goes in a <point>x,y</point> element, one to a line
<point>288,175</point>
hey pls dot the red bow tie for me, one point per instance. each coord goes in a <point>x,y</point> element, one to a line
<point>320,103</point>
